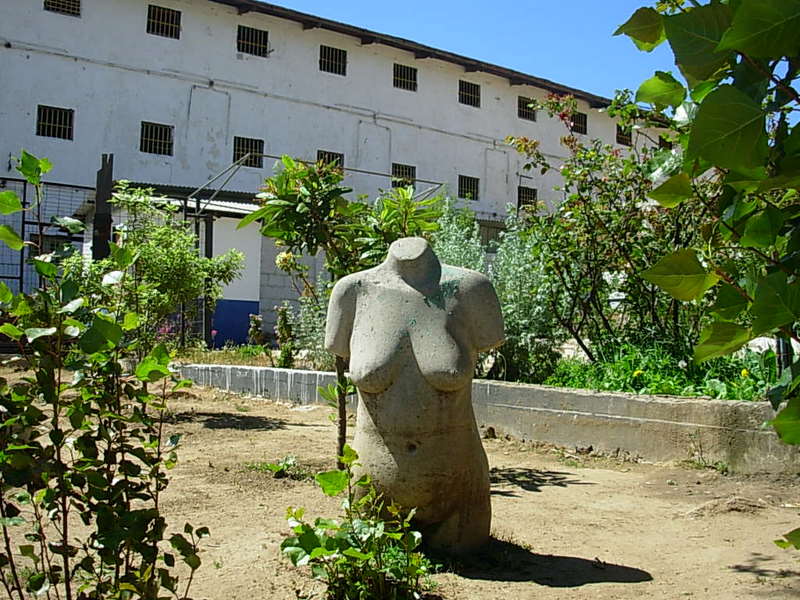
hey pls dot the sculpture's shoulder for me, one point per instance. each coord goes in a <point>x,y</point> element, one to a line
<point>469,282</point>
<point>351,284</point>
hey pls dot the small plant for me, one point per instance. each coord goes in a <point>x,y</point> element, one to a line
<point>371,553</point>
<point>285,334</point>
<point>255,330</point>
<point>286,468</point>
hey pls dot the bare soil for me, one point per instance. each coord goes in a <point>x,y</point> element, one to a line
<point>566,524</point>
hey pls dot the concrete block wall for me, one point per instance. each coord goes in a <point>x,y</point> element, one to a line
<point>657,429</point>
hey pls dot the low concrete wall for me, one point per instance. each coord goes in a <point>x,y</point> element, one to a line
<point>654,428</point>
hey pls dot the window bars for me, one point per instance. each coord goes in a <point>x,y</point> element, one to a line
<point>527,197</point>
<point>624,136</point>
<point>524,108</point>
<point>54,122</point>
<point>469,93</point>
<point>333,60</point>
<point>165,22</point>
<point>579,123</point>
<point>403,175</point>
<point>254,146</point>
<point>252,41</point>
<point>156,138</point>
<point>65,7</point>
<point>468,187</point>
<point>405,77</point>
<point>328,157</point>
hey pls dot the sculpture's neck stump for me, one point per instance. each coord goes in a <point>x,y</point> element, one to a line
<point>413,260</point>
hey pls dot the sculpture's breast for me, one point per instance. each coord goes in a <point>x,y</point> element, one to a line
<point>385,342</point>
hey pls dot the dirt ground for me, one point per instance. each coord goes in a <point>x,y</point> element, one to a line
<point>565,525</point>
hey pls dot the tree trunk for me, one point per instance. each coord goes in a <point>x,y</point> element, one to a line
<point>341,398</point>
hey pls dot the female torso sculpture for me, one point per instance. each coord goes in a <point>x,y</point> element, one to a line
<point>412,329</point>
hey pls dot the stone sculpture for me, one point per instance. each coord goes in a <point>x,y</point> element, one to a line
<point>412,329</point>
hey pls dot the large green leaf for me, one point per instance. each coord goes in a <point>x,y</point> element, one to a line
<point>729,131</point>
<point>673,191</point>
<point>34,333</point>
<point>10,237</point>
<point>332,483</point>
<point>645,28</point>
<point>762,228</point>
<point>719,339</point>
<point>9,202</point>
<point>787,422</point>
<point>765,29</point>
<point>776,303</point>
<point>681,275</point>
<point>730,303</point>
<point>661,90</point>
<point>694,36</point>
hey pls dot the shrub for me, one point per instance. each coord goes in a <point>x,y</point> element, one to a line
<point>371,553</point>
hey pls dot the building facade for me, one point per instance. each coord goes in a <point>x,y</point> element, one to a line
<point>177,90</point>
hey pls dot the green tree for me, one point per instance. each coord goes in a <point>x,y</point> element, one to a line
<point>735,118</point>
<point>305,210</point>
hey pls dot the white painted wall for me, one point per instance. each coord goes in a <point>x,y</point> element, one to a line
<point>115,75</point>
<point>247,240</point>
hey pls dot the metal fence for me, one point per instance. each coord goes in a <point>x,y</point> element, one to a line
<point>58,200</point>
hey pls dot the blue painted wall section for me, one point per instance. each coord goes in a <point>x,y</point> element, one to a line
<point>231,321</point>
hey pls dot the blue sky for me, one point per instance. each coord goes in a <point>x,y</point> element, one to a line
<point>568,41</point>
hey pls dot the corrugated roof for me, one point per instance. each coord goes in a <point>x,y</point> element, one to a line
<point>419,50</point>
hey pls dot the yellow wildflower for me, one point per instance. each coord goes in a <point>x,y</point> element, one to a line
<point>638,373</point>
<point>745,373</point>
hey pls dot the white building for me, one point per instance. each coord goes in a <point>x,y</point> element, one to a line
<point>179,89</point>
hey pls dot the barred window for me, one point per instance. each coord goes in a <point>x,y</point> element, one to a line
<point>624,136</point>
<point>526,197</point>
<point>403,175</point>
<point>328,157</point>
<point>468,187</point>
<point>405,77</point>
<point>54,122</point>
<point>469,93</point>
<point>333,60</point>
<point>165,22</point>
<point>252,146</point>
<point>156,138</point>
<point>65,7</point>
<point>579,123</point>
<point>524,108</point>
<point>252,41</point>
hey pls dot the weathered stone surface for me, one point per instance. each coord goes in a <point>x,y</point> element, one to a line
<point>412,329</point>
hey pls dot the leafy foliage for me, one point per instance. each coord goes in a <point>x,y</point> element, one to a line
<point>740,62</point>
<point>370,553</point>
<point>82,438</point>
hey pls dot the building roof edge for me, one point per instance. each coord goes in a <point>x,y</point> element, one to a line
<point>419,50</point>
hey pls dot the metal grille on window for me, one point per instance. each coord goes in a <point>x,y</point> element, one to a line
<point>333,60</point>
<point>162,21</point>
<point>405,77</point>
<point>403,175</point>
<point>524,108</point>
<point>579,123</point>
<point>156,138</point>
<point>469,93</point>
<point>54,122</point>
<point>252,41</point>
<point>526,197</point>
<point>253,146</point>
<point>468,187</point>
<point>327,157</point>
<point>65,7</point>
<point>624,135</point>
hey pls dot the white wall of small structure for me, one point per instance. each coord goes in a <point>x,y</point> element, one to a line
<point>114,75</point>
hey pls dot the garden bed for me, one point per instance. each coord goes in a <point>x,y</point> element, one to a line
<point>567,524</point>
<point>725,433</point>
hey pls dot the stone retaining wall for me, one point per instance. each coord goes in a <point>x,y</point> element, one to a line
<point>652,428</point>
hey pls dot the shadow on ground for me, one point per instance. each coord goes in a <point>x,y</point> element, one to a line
<point>530,480</point>
<point>225,420</point>
<point>759,565</point>
<point>506,561</point>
